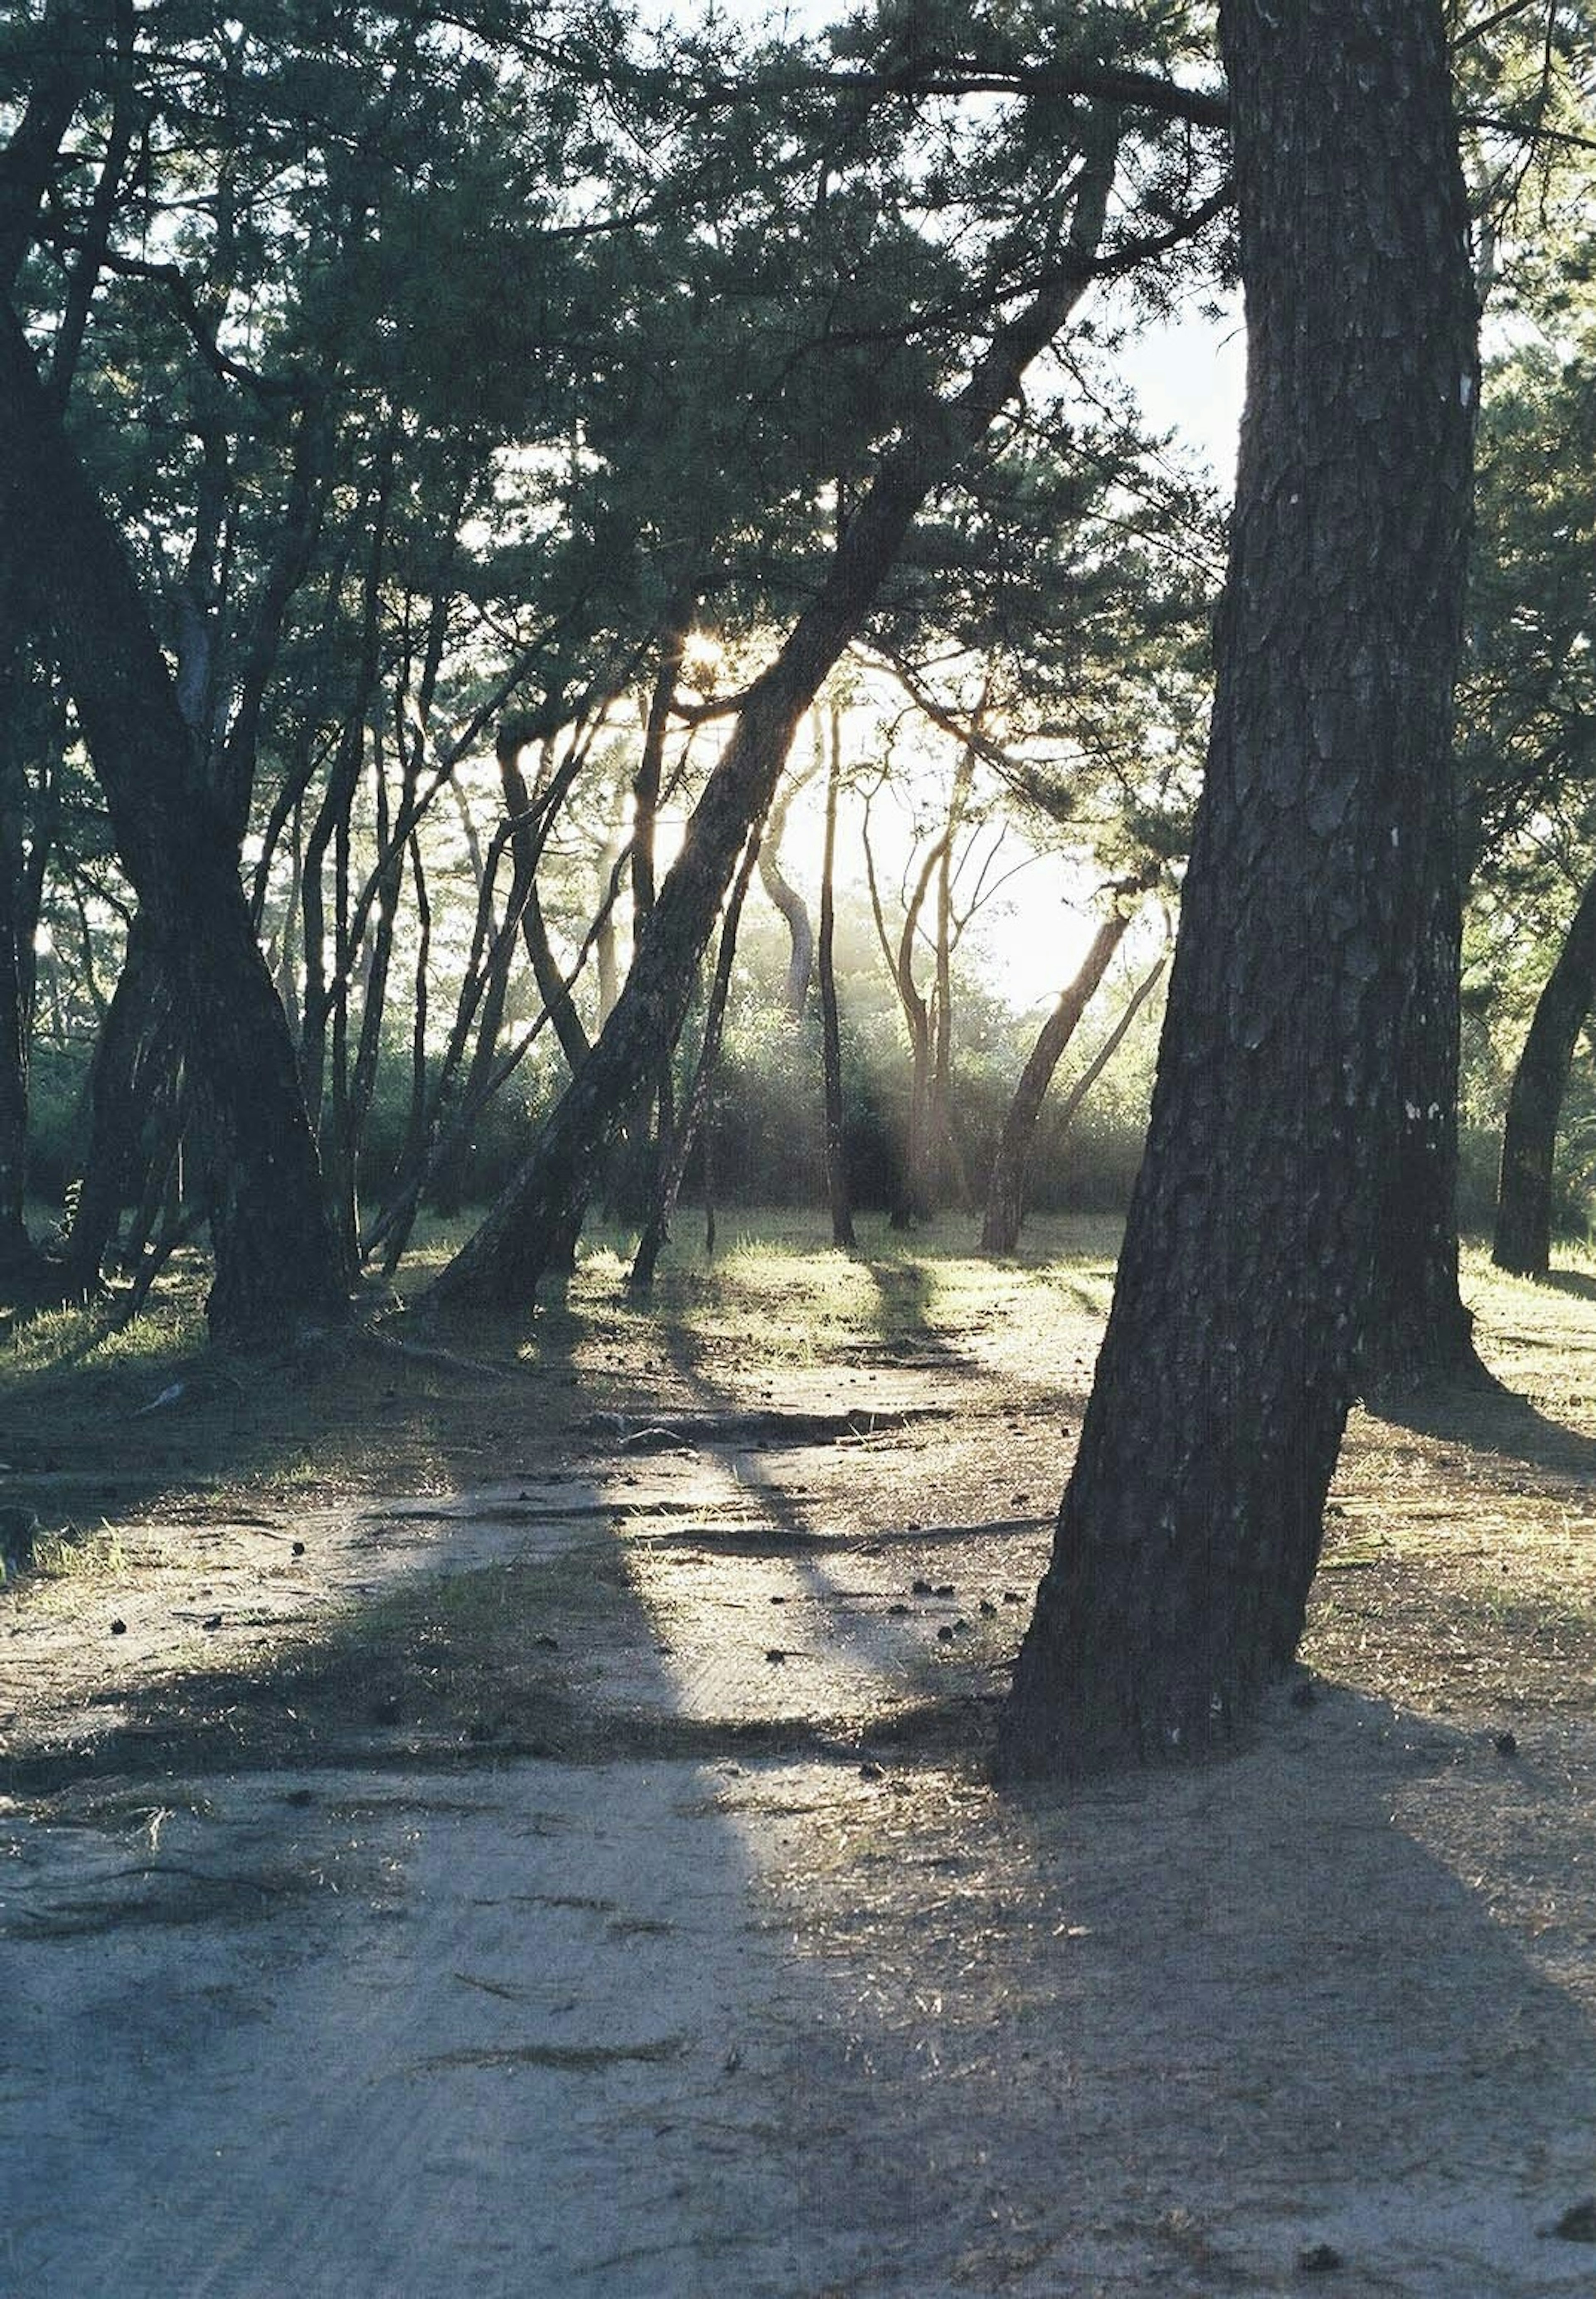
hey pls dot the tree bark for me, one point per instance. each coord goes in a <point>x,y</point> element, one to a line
<point>1006,1186</point>
<point>1523,1239</point>
<point>276,1264</point>
<point>1190,1532</point>
<point>499,1268</point>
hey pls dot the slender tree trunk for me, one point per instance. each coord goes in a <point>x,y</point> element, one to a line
<point>944,1165</point>
<point>1190,1532</point>
<point>1523,1242</point>
<point>657,1229</point>
<point>831,1046</point>
<point>914,1195</point>
<point>525,847</point>
<point>134,1059</point>
<point>500,1266</point>
<point>329,828</point>
<point>790,903</point>
<point>275,1263</point>
<point>1006,1186</point>
<point>1112,1044</point>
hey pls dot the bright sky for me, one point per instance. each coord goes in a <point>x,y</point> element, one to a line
<point>1190,377</point>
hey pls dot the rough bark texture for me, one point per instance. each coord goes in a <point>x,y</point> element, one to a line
<point>1523,1240</point>
<point>500,1266</point>
<point>1191,1529</point>
<point>276,1264</point>
<point>1006,1185</point>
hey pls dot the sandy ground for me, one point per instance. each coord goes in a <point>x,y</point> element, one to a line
<point>585,1882</point>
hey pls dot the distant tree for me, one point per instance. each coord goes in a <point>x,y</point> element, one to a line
<point>1523,1207</point>
<point>1006,1184</point>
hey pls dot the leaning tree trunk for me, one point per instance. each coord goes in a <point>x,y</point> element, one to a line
<point>1523,1240</point>
<point>1006,1185</point>
<point>275,1264</point>
<point>499,1266</point>
<point>1191,1529</point>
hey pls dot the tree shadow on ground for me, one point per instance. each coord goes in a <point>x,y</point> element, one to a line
<point>1491,1419</point>
<point>1255,2008</point>
<point>1579,1283</point>
<point>1283,2003</point>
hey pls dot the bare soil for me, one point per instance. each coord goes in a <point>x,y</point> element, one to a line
<point>521,1827</point>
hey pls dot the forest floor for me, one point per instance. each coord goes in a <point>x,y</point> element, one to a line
<point>522,1828</point>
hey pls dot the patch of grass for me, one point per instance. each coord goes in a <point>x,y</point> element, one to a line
<point>88,1340</point>
<point>68,1555</point>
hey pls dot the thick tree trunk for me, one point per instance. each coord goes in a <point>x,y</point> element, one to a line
<point>275,1264</point>
<point>1523,1240</point>
<point>1006,1186</point>
<point>1191,1529</point>
<point>837,1190</point>
<point>500,1266</point>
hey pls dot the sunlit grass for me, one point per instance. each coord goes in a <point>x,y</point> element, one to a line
<point>90,1341</point>
<point>68,1555</point>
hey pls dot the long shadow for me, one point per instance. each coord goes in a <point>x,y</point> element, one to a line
<point>1492,1420</point>
<point>1577,1281</point>
<point>1273,2017</point>
<point>344,1957</point>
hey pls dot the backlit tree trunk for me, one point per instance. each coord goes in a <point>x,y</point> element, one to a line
<point>1523,1242</point>
<point>790,903</point>
<point>1191,1529</point>
<point>1006,1185</point>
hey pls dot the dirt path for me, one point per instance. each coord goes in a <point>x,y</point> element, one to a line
<point>585,1882</point>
